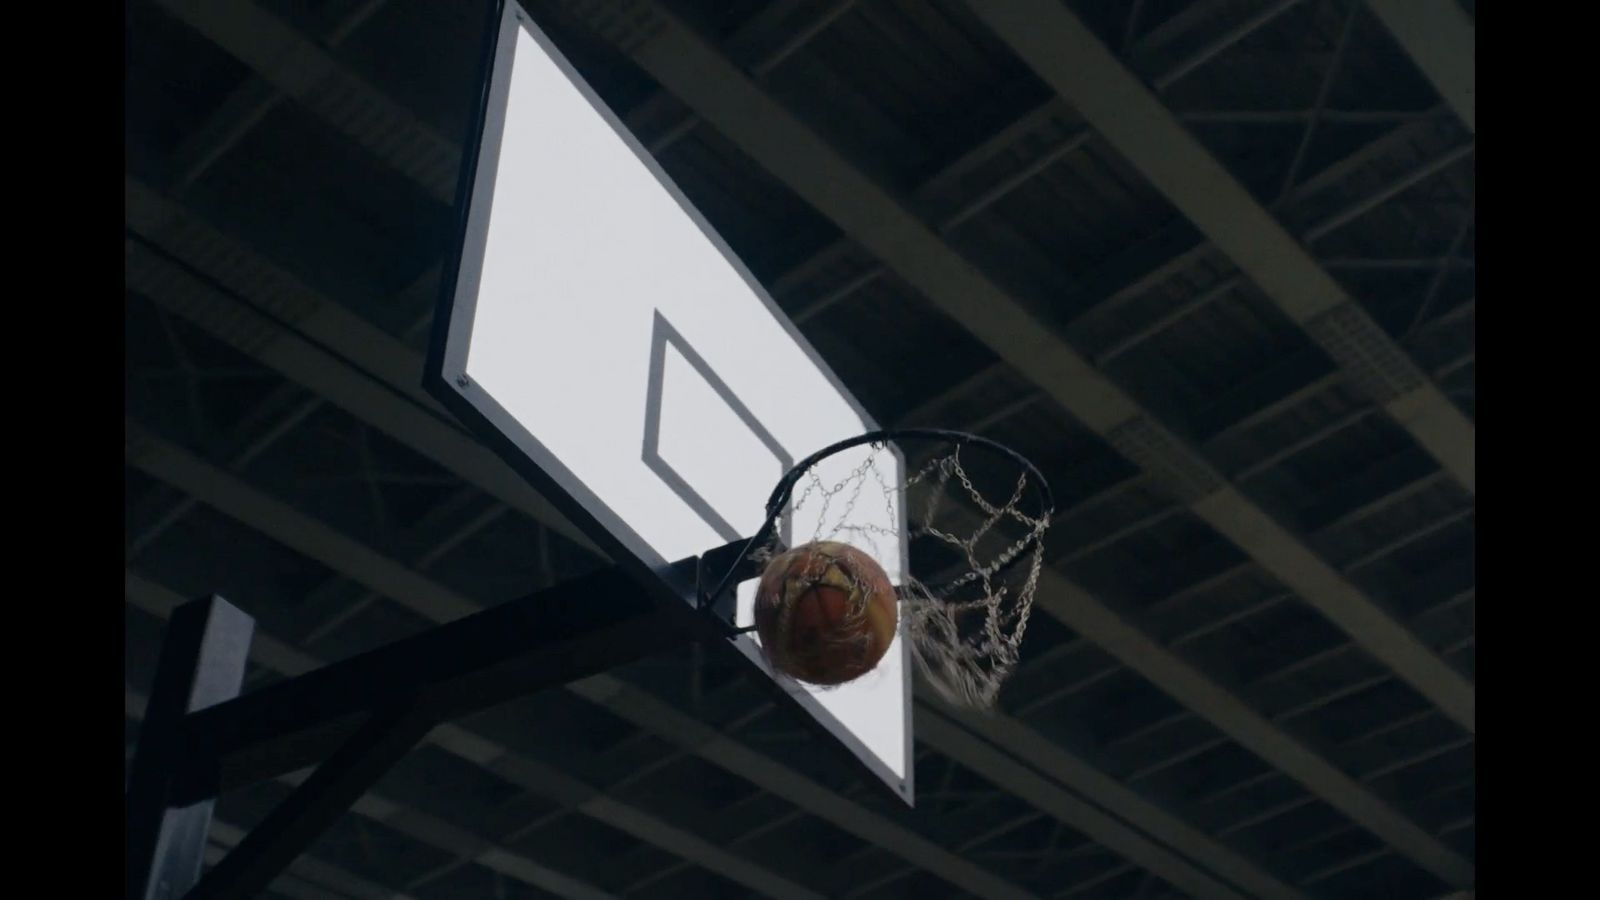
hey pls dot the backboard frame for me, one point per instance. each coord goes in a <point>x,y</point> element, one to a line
<point>485,418</point>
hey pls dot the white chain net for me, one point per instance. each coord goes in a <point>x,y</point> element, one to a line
<point>965,563</point>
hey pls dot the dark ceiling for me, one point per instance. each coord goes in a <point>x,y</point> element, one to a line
<point>1209,262</point>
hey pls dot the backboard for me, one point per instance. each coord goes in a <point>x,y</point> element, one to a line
<point>604,339</point>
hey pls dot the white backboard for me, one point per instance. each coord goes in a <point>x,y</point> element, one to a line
<point>613,347</point>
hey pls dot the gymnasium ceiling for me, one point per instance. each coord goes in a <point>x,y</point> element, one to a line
<point>1209,262</point>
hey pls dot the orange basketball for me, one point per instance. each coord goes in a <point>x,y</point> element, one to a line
<point>825,612</point>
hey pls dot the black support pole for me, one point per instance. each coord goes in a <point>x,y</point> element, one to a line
<point>202,663</point>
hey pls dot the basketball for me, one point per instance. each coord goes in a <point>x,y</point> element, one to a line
<point>825,612</point>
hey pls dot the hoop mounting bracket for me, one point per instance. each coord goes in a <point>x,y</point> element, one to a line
<point>724,568</point>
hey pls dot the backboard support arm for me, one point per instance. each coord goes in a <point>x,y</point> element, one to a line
<point>355,718</point>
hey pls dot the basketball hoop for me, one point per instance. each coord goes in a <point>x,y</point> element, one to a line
<point>961,537</point>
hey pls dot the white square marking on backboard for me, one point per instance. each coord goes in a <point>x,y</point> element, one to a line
<point>600,325</point>
<point>698,449</point>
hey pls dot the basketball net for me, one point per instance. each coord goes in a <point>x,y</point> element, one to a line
<point>964,620</point>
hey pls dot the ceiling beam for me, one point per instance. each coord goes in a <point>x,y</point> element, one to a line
<point>1048,757</point>
<point>1041,791</point>
<point>249,104</point>
<point>1138,270</point>
<point>301,68</point>
<point>288,327</point>
<point>1200,696</point>
<point>1118,278</point>
<point>1052,40</point>
<point>704,80</point>
<point>654,715</point>
<point>990,761</point>
<point>1190,687</point>
<point>1441,39</point>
